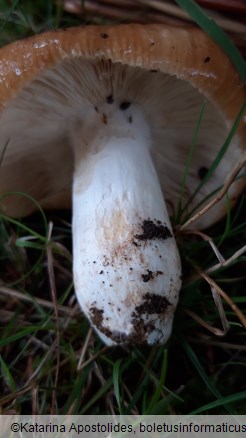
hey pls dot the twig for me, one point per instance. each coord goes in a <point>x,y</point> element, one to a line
<point>207,340</point>
<point>35,401</point>
<point>219,305</point>
<point>221,264</point>
<point>204,324</point>
<point>150,11</point>
<point>92,358</point>
<point>211,243</point>
<point>102,380</point>
<point>237,168</point>
<point>112,12</point>
<point>14,395</point>
<point>171,9</point>
<point>227,262</point>
<point>229,301</point>
<point>54,299</point>
<point>41,363</point>
<point>84,348</point>
<point>44,303</point>
<point>134,409</point>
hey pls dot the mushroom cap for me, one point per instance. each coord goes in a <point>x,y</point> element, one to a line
<point>170,72</point>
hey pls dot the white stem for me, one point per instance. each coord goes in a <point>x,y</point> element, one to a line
<point>126,264</point>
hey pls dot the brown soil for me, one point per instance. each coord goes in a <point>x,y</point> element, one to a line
<point>153,303</point>
<point>153,230</point>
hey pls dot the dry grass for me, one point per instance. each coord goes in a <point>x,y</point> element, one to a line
<point>52,362</point>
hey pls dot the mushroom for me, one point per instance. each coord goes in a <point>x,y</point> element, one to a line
<point>106,116</point>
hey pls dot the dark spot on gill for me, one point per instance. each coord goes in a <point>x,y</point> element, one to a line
<point>207,59</point>
<point>125,105</point>
<point>104,35</point>
<point>110,99</point>
<point>104,119</point>
<point>202,172</point>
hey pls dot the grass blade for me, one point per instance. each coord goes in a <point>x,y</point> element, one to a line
<point>116,380</point>
<point>157,393</point>
<point>189,159</point>
<point>216,33</point>
<point>218,158</point>
<point>21,334</point>
<point>222,402</point>
<point>8,378</point>
<point>193,358</point>
<point>14,5</point>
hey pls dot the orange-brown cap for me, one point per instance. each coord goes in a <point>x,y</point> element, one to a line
<point>175,70</point>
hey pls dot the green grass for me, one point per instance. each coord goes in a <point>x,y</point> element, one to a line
<point>216,33</point>
<point>49,359</point>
